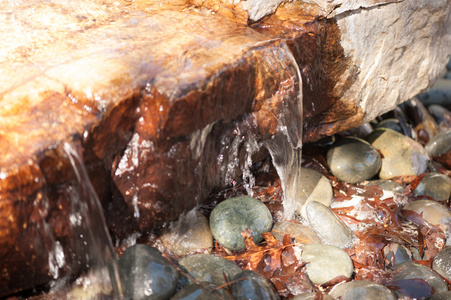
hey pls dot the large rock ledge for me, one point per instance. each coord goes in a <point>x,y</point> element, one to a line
<point>165,101</point>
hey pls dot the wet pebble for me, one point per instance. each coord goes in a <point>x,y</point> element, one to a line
<point>312,296</point>
<point>146,274</point>
<point>439,144</point>
<point>402,156</point>
<point>442,115</point>
<point>391,123</point>
<point>237,214</point>
<point>440,296</point>
<point>209,268</point>
<point>387,185</point>
<point>353,160</point>
<point>431,210</point>
<point>361,290</point>
<point>442,263</point>
<point>313,187</point>
<point>205,291</point>
<point>435,185</point>
<point>326,262</point>
<point>301,233</point>
<point>327,225</point>
<point>396,254</point>
<point>251,285</point>
<point>411,270</point>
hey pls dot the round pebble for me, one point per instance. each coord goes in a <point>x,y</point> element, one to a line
<point>313,187</point>
<point>190,234</point>
<point>387,185</point>
<point>435,185</point>
<point>353,160</point>
<point>361,289</point>
<point>442,263</point>
<point>312,296</point>
<point>440,296</point>
<point>411,270</point>
<point>209,268</point>
<point>146,274</point>
<point>207,291</point>
<point>301,233</point>
<point>432,211</point>
<point>237,214</point>
<point>251,285</point>
<point>391,123</point>
<point>327,225</point>
<point>439,144</point>
<point>402,156</point>
<point>325,262</point>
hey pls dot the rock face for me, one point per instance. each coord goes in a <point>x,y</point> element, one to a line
<point>166,101</point>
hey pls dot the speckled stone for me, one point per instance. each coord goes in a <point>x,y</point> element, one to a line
<point>361,290</point>
<point>312,296</point>
<point>435,185</point>
<point>313,187</point>
<point>410,270</point>
<point>402,156</point>
<point>439,144</point>
<point>209,268</point>
<point>325,262</point>
<point>145,274</point>
<point>391,123</point>
<point>251,285</point>
<point>353,160</point>
<point>442,263</point>
<point>204,292</point>
<point>327,225</point>
<point>301,233</point>
<point>387,185</point>
<point>431,210</point>
<point>234,215</point>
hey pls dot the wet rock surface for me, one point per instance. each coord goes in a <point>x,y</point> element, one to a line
<point>251,285</point>
<point>435,185</point>
<point>431,211</point>
<point>202,291</point>
<point>362,290</point>
<point>300,233</point>
<point>442,263</point>
<point>313,187</point>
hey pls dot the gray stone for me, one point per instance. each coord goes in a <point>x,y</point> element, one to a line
<point>301,233</point>
<point>353,160</point>
<point>387,185</point>
<point>396,254</point>
<point>432,211</point>
<point>440,296</point>
<point>209,268</point>
<point>392,124</point>
<point>441,115</point>
<point>442,263</point>
<point>251,285</point>
<point>313,187</point>
<point>435,185</point>
<point>327,225</point>
<point>361,290</point>
<point>402,156</point>
<point>439,144</point>
<point>411,270</point>
<point>145,274</point>
<point>232,216</point>
<point>326,262</point>
<point>312,296</point>
<point>207,291</point>
<point>439,93</point>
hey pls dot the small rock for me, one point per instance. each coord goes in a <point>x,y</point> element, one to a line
<point>396,254</point>
<point>361,289</point>
<point>301,233</point>
<point>312,296</point>
<point>442,115</point>
<point>439,144</point>
<point>353,160</point>
<point>402,156</point>
<point>313,187</point>
<point>190,234</point>
<point>207,291</point>
<point>391,123</point>
<point>435,185</point>
<point>442,263</point>
<point>440,296</point>
<point>362,131</point>
<point>146,274</point>
<point>327,225</point>
<point>325,262</point>
<point>251,285</point>
<point>432,211</point>
<point>237,214</point>
<point>209,268</point>
<point>387,185</point>
<point>411,270</point>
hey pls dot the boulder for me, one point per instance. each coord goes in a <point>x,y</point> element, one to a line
<point>164,102</point>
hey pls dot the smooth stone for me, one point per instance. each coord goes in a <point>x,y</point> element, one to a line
<point>387,185</point>
<point>313,186</point>
<point>440,296</point>
<point>146,274</point>
<point>442,263</point>
<point>391,123</point>
<point>197,292</point>
<point>210,268</point>
<point>411,270</point>
<point>431,210</point>
<point>327,225</point>
<point>251,285</point>
<point>442,116</point>
<point>435,185</point>
<point>396,254</point>
<point>301,233</point>
<point>325,262</point>
<point>361,289</point>
<point>312,296</point>
<point>439,144</point>
<point>190,234</point>
<point>362,131</point>
<point>402,156</point>
<point>353,160</point>
<point>237,214</point>
<point>439,93</point>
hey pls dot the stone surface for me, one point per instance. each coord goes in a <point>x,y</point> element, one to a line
<point>440,296</point>
<point>234,215</point>
<point>392,124</point>
<point>396,254</point>
<point>313,187</point>
<point>401,155</point>
<point>442,263</point>
<point>431,211</point>
<point>361,290</point>
<point>312,296</point>
<point>441,115</point>
<point>435,185</point>
<point>353,160</point>
<point>325,262</point>
<point>146,274</point>
<point>301,233</point>
<point>327,225</point>
<point>387,185</point>
<point>251,285</point>
<point>439,144</point>
<point>196,292</point>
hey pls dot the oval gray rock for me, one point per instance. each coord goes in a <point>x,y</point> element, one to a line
<point>411,270</point>
<point>301,233</point>
<point>442,263</point>
<point>435,185</point>
<point>312,296</point>
<point>314,186</point>
<point>439,144</point>
<point>432,211</point>
<point>361,289</point>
